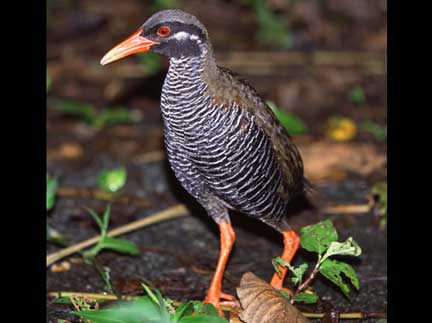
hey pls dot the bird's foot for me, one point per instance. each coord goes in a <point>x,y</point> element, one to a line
<point>215,300</point>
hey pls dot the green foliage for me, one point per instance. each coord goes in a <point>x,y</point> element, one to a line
<point>306,297</point>
<point>51,191</point>
<point>379,193</point>
<point>357,95</point>
<point>55,237</point>
<point>112,180</point>
<point>165,4</point>
<point>273,30</point>
<point>292,124</point>
<point>89,114</point>
<point>105,242</point>
<point>153,308</point>
<point>378,131</point>
<point>347,248</point>
<point>151,62</point>
<point>321,238</point>
<point>48,81</point>
<point>317,237</point>
<point>297,272</point>
<point>332,270</point>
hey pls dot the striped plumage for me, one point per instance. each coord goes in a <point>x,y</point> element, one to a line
<point>224,144</point>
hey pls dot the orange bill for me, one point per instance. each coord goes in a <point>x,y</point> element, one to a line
<point>131,45</point>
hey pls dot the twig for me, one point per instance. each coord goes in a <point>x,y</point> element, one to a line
<point>308,280</point>
<point>168,214</point>
<point>70,192</point>
<point>111,297</point>
<point>150,157</point>
<point>347,208</point>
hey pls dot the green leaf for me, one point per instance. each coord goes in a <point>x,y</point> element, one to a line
<point>332,270</point>
<point>184,309</point>
<point>378,131</point>
<point>202,319</point>
<point>292,124</point>
<point>84,111</point>
<point>48,81</point>
<point>105,217</point>
<point>357,95</point>
<point>51,191</point>
<point>138,311</point>
<point>151,62</point>
<point>120,245</point>
<point>317,237</point>
<point>112,180</point>
<point>298,273</point>
<point>209,309</point>
<point>97,219</point>
<point>347,248</point>
<point>306,297</point>
<point>110,117</point>
<point>55,237</point>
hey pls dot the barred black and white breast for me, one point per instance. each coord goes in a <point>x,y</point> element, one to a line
<point>228,151</point>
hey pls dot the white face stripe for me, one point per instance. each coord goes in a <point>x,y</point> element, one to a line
<point>181,35</point>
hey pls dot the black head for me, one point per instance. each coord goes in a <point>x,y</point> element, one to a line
<point>172,33</point>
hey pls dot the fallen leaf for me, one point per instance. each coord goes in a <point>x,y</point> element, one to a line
<point>341,129</point>
<point>263,304</point>
<point>61,267</point>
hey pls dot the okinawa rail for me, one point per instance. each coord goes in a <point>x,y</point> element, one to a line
<point>225,146</point>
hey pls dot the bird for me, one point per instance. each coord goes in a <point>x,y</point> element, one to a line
<point>224,144</point>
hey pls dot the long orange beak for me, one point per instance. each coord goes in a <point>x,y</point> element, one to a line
<point>131,45</point>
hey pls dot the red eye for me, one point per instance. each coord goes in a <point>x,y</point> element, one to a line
<point>164,31</point>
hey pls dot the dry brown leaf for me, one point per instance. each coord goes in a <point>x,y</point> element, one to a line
<point>263,304</point>
<point>325,159</point>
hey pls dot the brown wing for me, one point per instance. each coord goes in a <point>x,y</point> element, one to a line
<point>232,87</point>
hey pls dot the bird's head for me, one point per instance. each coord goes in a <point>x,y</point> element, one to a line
<point>172,33</point>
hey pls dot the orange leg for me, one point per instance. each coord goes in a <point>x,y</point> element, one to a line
<point>214,293</point>
<point>291,242</point>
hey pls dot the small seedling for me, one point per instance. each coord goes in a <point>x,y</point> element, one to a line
<point>105,242</point>
<point>294,125</point>
<point>150,62</point>
<point>273,30</point>
<point>51,190</point>
<point>379,194</point>
<point>357,95</point>
<point>153,308</point>
<point>321,238</point>
<point>378,131</point>
<point>48,81</point>
<point>89,114</point>
<point>112,180</point>
<point>164,4</point>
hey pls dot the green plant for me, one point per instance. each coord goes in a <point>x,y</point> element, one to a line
<point>48,81</point>
<point>164,4</point>
<point>273,30</point>
<point>357,95</point>
<point>89,114</point>
<point>153,308</point>
<point>321,238</point>
<point>294,125</point>
<point>51,189</point>
<point>105,242</point>
<point>379,194</point>
<point>150,62</point>
<point>112,180</point>
<point>378,131</point>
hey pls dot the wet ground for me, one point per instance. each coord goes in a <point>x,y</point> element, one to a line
<point>179,256</point>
